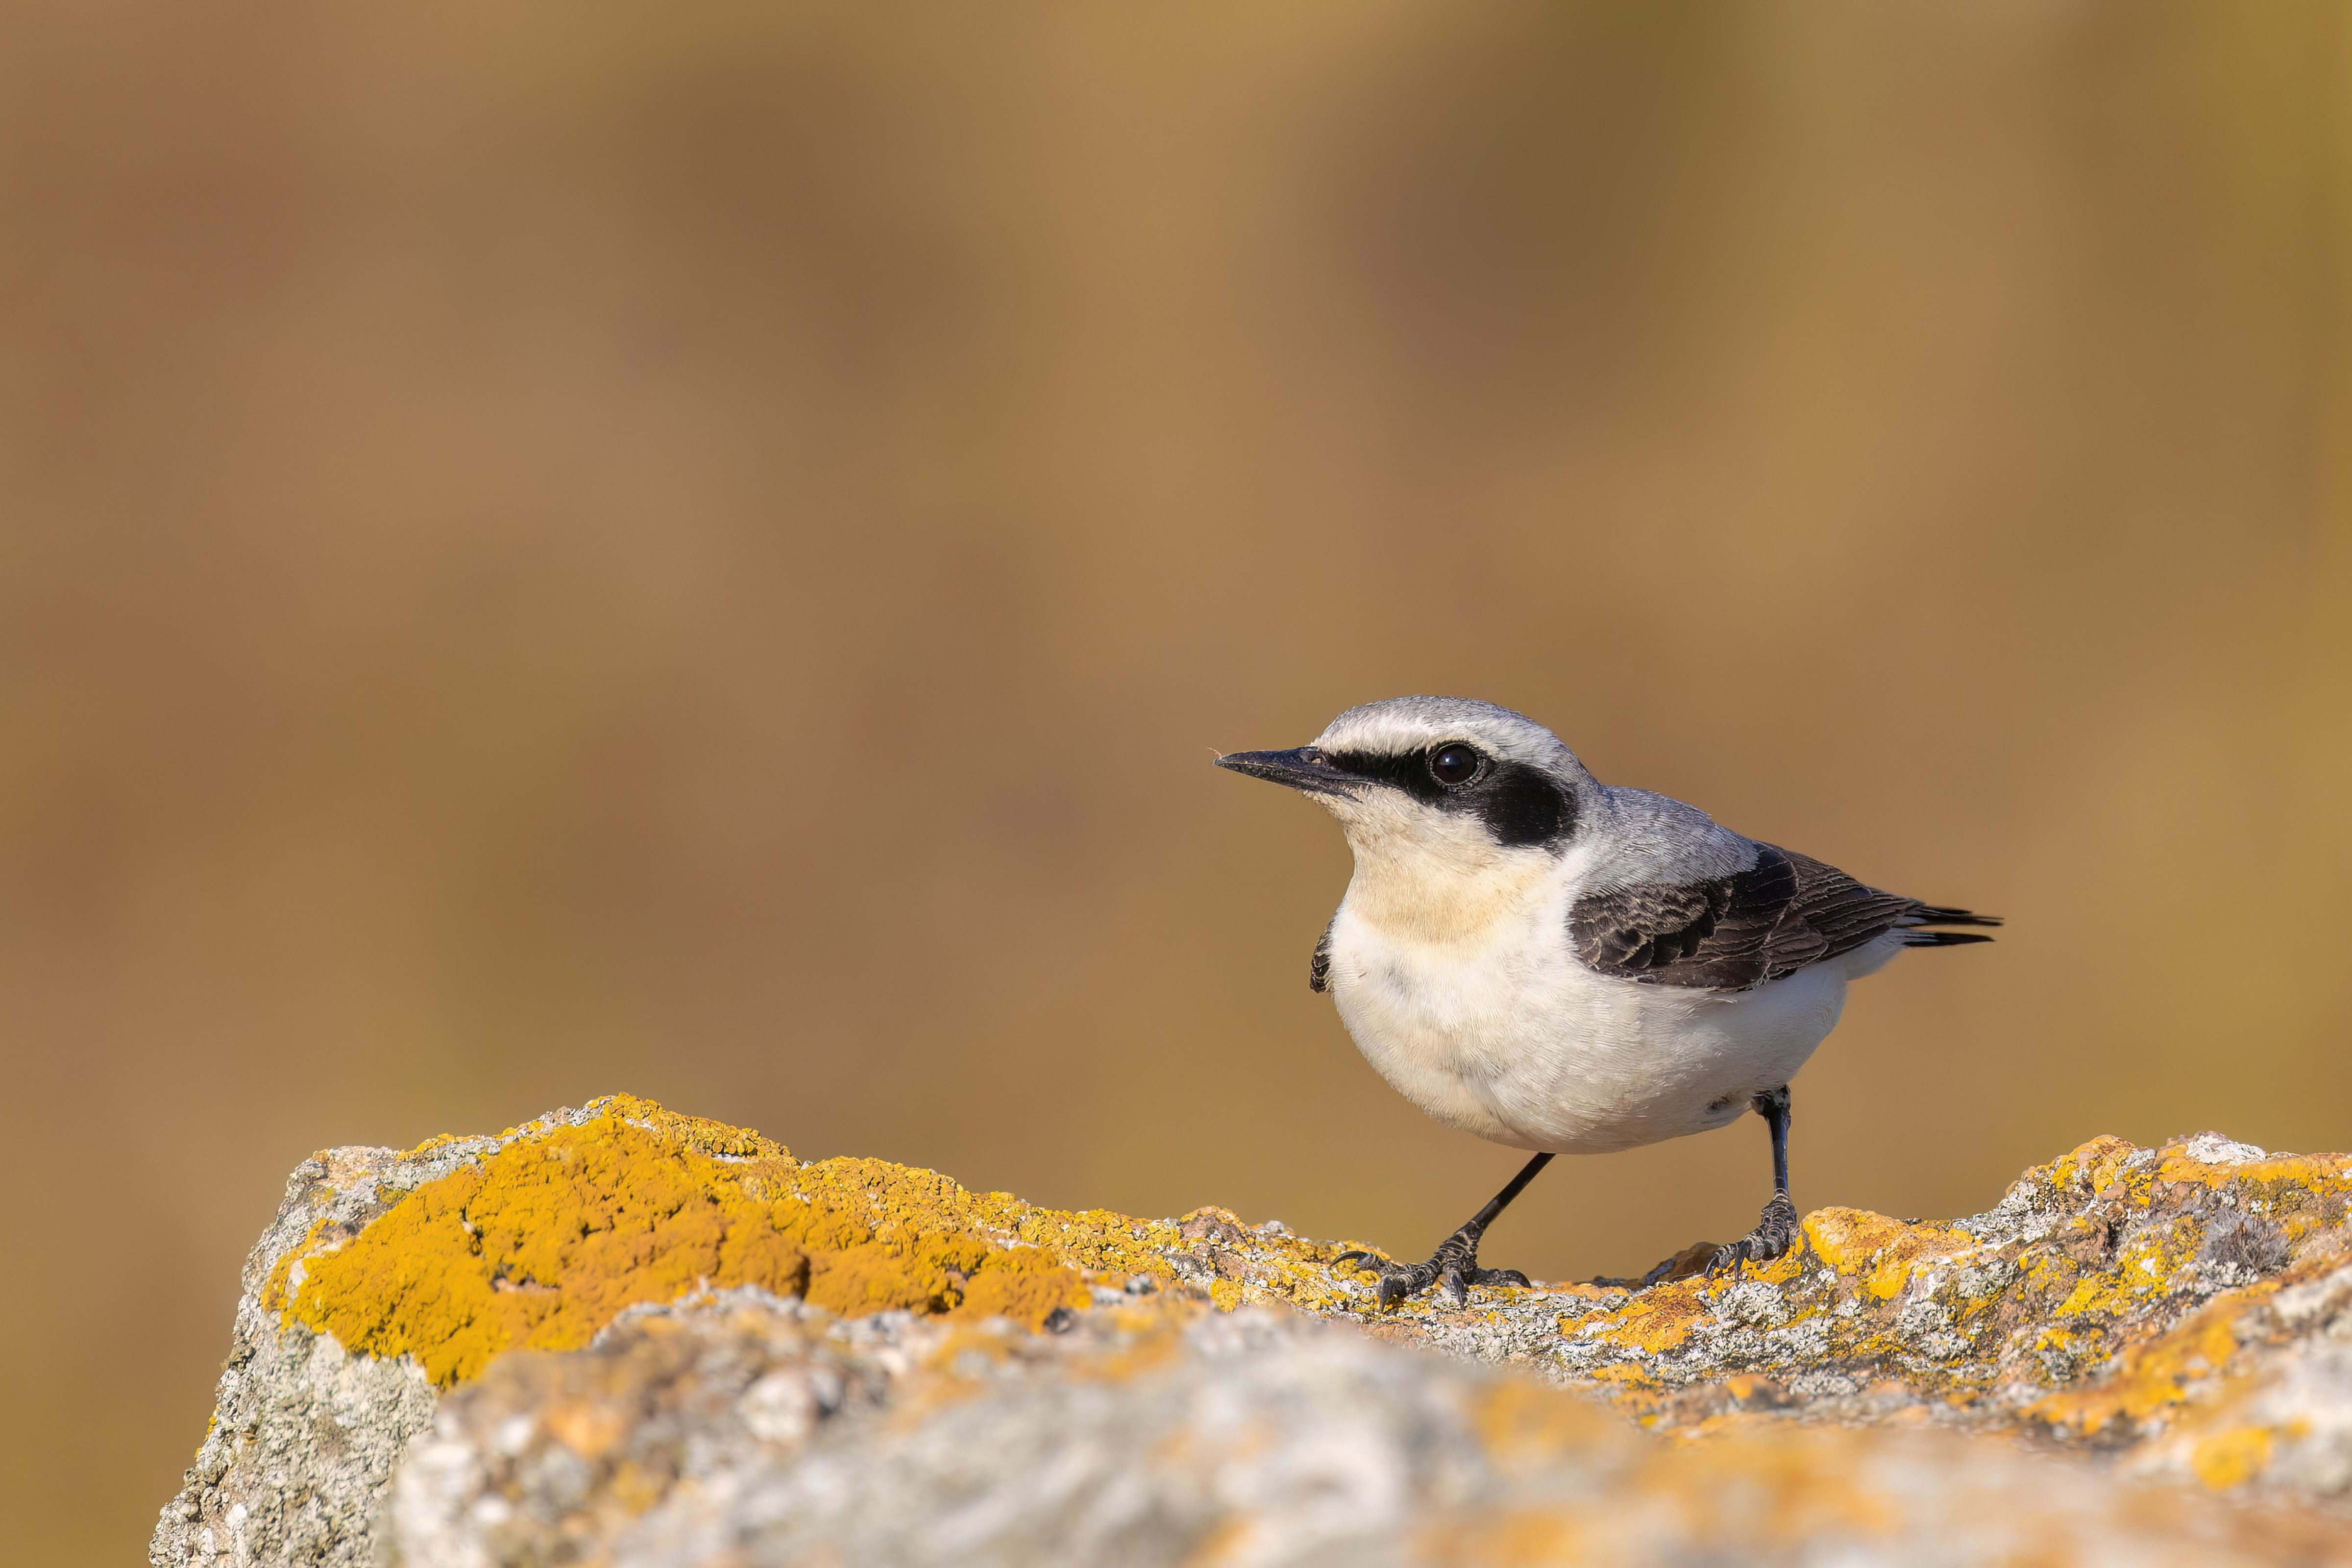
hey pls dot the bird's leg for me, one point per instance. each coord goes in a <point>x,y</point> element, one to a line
<point>1453,1268</point>
<point>1777,1231</point>
<point>1774,1233</point>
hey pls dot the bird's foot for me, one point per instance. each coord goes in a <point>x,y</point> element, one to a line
<point>1692,1259</point>
<point>1454,1269</point>
<point>1773,1235</point>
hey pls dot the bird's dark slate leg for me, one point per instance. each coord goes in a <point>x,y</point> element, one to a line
<point>1777,1231</point>
<point>1453,1268</point>
<point>1773,1235</point>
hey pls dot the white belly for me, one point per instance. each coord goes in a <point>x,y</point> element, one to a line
<point>1506,1035</point>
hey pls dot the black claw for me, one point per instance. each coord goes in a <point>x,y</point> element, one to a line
<point>1454,1271</point>
<point>1501,1276</point>
<point>1775,1233</point>
<point>1454,1265</point>
<point>1692,1259</point>
<point>1399,1281</point>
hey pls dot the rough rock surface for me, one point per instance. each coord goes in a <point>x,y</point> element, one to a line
<point>622,1335</point>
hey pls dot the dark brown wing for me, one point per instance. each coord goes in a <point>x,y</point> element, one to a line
<point>1318,968</point>
<point>1735,932</point>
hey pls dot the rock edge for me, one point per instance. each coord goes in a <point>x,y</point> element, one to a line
<point>2175,1315</point>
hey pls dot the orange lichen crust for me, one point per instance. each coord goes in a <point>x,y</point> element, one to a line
<point>577,1449</point>
<point>2115,1286</point>
<point>2113,1291</point>
<point>545,1238</point>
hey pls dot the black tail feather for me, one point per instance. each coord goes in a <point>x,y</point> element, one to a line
<point>1942,915</point>
<point>1939,915</point>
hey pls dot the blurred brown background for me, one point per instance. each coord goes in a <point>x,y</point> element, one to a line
<point>545,550</point>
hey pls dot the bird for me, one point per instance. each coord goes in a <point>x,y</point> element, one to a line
<point>1565,966</point>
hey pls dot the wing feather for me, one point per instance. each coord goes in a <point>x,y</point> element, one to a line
<point>1734,932</point>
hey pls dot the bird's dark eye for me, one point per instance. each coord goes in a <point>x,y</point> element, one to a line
<point>1454,764</point>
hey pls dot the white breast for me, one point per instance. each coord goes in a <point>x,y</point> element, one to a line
<point>1491,1024</point>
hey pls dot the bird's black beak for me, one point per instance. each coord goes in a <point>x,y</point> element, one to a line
<point>1303,768</point>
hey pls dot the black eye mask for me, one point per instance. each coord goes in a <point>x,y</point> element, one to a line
<point>1519,805</point>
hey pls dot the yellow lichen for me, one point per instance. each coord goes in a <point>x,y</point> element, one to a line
<point>1848,1241</point>
<point>1883,1251</point>
<point>545,1241</point>
<point>2298,1172</point>
<point>2157,1371</point>
<point>539,1237</point>
<point>1656,1321</point>
<point>1763,1489</point>
<point>1524,1425</point>
<point>2088,1169</point>
<point>2230,1458</point>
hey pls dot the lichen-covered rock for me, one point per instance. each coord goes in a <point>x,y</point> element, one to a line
<point>751,1432</point>
<point>304,1434</point>
<point>658,1340</point>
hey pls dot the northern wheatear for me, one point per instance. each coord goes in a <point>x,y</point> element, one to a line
<point>1568,966</point>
